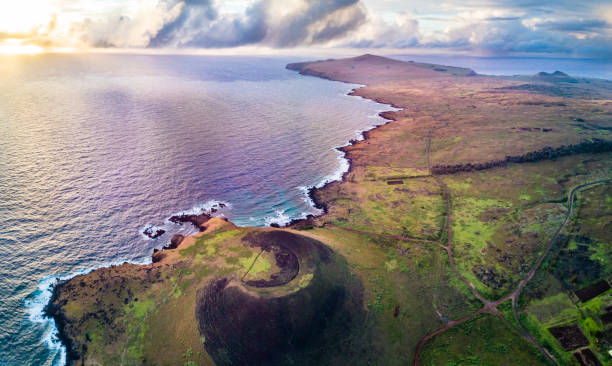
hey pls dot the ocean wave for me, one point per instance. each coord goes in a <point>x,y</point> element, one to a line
<point>34,306</point>
<point>281,218</point>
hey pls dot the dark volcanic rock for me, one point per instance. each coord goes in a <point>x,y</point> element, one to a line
<point>53,310</point>
<point>158,255</point>
<point>302,224</point>
<point>153,232</point>
<point>196,220</point>
<point>175,241</point>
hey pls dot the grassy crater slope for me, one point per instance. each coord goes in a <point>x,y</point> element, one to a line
<point>404,264</point>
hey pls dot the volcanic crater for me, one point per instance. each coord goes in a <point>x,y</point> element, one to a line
<point>291,313</point>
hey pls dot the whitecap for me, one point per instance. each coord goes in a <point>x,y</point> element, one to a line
<point>153,228</point>
<point>281,218</point>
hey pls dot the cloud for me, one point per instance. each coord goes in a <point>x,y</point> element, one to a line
<point>135,30</point>
<point>508,28</point>
<point>41,35</point>
<point>15,35</point>
<point>315,22</point>
<point>580,25</point>
<point>198,23</point>
<point>403,32</point>
<point>502,38</point>
<point>501,19</point>
<point>496,27</point>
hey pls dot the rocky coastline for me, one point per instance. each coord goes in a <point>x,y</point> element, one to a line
<point>53,311</point>
<point>388,116</point>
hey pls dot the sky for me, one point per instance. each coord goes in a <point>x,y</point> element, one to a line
<point>579,28</point>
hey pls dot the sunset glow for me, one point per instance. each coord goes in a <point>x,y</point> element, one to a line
<point>15,47</point>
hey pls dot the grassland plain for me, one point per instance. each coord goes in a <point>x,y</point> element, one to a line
<point>469,265</point>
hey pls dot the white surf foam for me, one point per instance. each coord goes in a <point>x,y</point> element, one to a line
<point>153,229</point>
<point>281,218</point>
<point>206,207</point>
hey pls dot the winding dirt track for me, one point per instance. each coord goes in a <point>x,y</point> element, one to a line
<point>491,306</point>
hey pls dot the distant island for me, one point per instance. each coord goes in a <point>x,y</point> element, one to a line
<point>472,228</point>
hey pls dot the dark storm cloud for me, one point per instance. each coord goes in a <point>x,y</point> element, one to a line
<point>199,24</point>
<point>230,32</point>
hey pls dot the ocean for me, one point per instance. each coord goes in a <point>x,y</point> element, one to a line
<point>95,148</point>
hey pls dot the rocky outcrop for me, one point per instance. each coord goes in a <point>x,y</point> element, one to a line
<point>489,276</point>
<point>175,241</point>
<point>198,220</point>
<point>153,232</point>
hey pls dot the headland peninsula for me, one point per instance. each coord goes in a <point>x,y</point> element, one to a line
<point>473,228</point>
